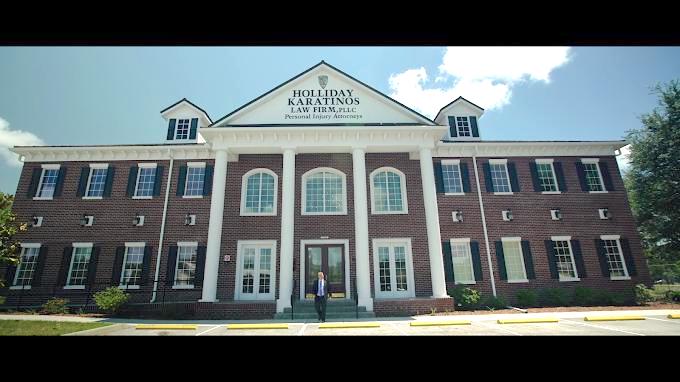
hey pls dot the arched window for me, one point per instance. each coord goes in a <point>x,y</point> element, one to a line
<point>258,192</point>
<point>388,191</point>
<point>324,192</point>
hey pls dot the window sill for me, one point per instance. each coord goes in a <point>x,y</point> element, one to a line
<point>74,287</point>
<point>258,213</point>
<point>569,279</point>
<point>616,278</point>
<point>389,212</point>
<point>93,197</point>
<point>551,192</point>
<point>454,193</point>
<point>323,213</point>
<point>182,287</point>
<point>142,197</point>
<point>598,192</point>
<point>503,193</point>
<point>518,281</point>
<point>192,196</point>
<point>20,287</point>
<point>466,282</point>
<point>126,287</point>
<point>43,198</point>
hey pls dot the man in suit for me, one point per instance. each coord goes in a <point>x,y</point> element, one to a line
<point>320,290</point>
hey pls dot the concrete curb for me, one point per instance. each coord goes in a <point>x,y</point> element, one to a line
<point>97,331</point>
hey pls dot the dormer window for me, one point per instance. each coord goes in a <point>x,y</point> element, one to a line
<point>463,127</point>
<point>182,131</point>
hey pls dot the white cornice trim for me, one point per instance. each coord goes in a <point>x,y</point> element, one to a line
<point>524,149</point>
<point>113,153</point>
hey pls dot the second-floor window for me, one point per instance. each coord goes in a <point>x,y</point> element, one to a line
<point>195,179</point>
<point>323,192</point>
<point>146,179</point>
<point>499,177</point>
<point>96,181</point>
<point>451,175</point>
<point>546,176</point>
<point>593,176</point>
<point>388,191</point>
<point>48,182</point>
<point>258,194</point>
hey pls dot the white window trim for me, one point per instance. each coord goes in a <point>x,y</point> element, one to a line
<point>304,191</point>
<point>472,265</point>
<point>623,259</point>
<point>390,242</point>
<point>402,179</point>
<point>135,244</point>
<point>143,165</point>
<point>521,254</point>
<point>571,254</point>
<point>467,119</point>
<point>186,180</point>
<point>184,244</point>
<point>42,177</point>
<point>89,180</point>
<point>188,129</point>
<point>244,190</point>
<point>507,174</point>
<point>549,161</point>
<point>596,161</point>
<point>303,259</point>
<point>239,269</point>
<point>70,268</point>
<point>16,274</point>
<point>460,175</point>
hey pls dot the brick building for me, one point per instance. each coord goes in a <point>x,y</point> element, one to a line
<point>233,218</point>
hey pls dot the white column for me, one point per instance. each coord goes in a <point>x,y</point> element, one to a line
<point>212,255</point>
<point>287,230</point>
<point>434,243</point>
<point>361,229</point>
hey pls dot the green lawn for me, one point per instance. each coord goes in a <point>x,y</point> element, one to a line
<point>660,290</point>
<point>44,328</point>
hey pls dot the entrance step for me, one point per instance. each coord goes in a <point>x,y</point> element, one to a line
<point>335,309</point>
<point>329,315</point>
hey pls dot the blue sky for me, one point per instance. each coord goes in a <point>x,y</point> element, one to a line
<point>113,95</point>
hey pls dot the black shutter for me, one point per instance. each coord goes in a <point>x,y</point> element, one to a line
<point>82,184</point>
<point>171,129</point>
<point>534,176</point>
<point>487,177</point>
<point>476,260</point>
<point>528,260</point>
<point>578,259</point>
<point>132,181</point>
<point>200,266</point>
<point>35,180</point>
<point>146,265</point>
<point>92,268</point>
<point>208,180</point>
<point>117,265</point>
<point>182,180</point>
<point>602,256</point>
<point>448,262</point>
<point>559,174</point>
<point>439,178</point>
<point>109,180</point>
<point>502,273</point>
<point>606,177</point>
<point>194,128</point>
<point>60,181</point>
<point>552,259</point>
<point>10,271</point>
<point>157,181</point>
<point>465,176</point>
<point>581,172</point>
<point>628,257</point>
<point>475,129</point>
<point>172,263</point>
<point>452,127</point>
<point>65,264</point>
<point>39,266</point>
<point>514,181</point>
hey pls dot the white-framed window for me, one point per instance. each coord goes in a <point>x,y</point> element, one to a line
<point>514,260</point>
<point>48,181</point>
<point>615,261</point>
<point>593,175</point>
<point>96,181</point>
<point>547,178</point>
<point>79,267</point>
<point>564,258</point>
<point>461,259</point>
<point>182,130</point>
<point>388,191</point>
<point>259,188</point>
<point>500,178</point>
<point>463,127</point>
<point>185,266</point>
<point>193,186</point>
<point>131,274</point>
<point>256,270</point>
<point>146,180</point>
<point>324,192</point>
<point>28,262</point>
<point>452,177</point>
<point>393,268</point>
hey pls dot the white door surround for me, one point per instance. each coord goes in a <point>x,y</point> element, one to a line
<point>301,277</point>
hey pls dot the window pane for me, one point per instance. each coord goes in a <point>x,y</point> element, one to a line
<point>387,192</point>
<point>80,263</point>
<point>545,176</point>
<point>97,182</point>
<point>565,266</point>
<point>514,264</point>
<point>324,193</point>
<point>186,265</point>
<point>248,283</point>
<point>463,127</point>
<point>335,265</point>
<point>26,268</point>
<point>260,193</point>
<point>132,268</point>
<point>314,260</point>
<point>182,131</point>
<point>614,259</point>
<point>265,270</point>
<point>146,179</point>
<point>384,268</point>
<point>592,177</point>
<point>48,183</point>
<point>400,268</point>
<point>462,266</point>
<point>452,178</point>
<point>195,179</point>
<point>499,177</point>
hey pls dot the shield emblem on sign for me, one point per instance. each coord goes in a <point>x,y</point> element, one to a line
<point>323,80</point>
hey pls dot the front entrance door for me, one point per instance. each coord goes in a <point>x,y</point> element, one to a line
<point>329,259</point>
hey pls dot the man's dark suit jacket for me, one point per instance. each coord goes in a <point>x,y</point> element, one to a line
<point>315,288</point>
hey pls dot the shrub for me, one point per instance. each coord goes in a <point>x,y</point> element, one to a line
<point>526,298</point>
<point>554,297</point>
<point>2,300</point>
<point>643,295</point>
<point>465,298</point>
<point>493,303</point>
<point>55,306</point>
<point>110,299</point>
<point>583,297</point>
<point>672,295</point>
<point>617,299</point>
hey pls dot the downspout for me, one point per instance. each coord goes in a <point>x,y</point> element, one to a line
<point>486,233</point>
<point>160,239</point>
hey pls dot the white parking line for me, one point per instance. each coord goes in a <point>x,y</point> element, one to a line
<point>664,320</point>
<point>211,329</point>
<point>499,328</point>
<point>601,327</point>
<point>302,331</point>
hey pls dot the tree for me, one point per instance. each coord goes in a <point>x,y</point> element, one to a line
<point>9,246</point>
<point>653,179</point>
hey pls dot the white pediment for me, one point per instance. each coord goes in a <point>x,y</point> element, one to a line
<point>323,95</point>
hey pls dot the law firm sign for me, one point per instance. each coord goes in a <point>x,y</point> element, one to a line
<point>323,104</point>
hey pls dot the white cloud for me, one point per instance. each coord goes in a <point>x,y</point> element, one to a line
<point>10,138</point>
<point>623,159</point>
<point>483,75</point>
